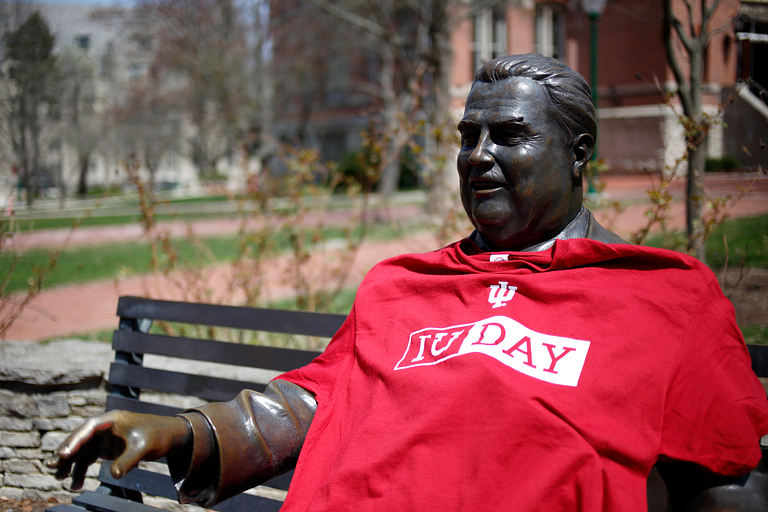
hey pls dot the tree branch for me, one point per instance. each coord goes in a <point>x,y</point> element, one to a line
<point>677,71</point>
<point>351,18</point>
<point>706,18</point>
<point>678,26</point>
<point>691,26</point>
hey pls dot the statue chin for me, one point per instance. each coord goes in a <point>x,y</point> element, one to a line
<point>494,214</point>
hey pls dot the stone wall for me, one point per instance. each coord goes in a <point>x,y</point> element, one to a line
<point>46,390</point>
<point>31,426</point>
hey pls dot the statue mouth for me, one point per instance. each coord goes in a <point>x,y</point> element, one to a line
<point>486,186</point>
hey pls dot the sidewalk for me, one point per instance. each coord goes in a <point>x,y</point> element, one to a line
<point>79,309</point>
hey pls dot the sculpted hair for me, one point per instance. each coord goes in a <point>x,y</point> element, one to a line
<point>569,91</point>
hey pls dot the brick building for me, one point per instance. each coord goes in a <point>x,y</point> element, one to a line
<point>638,128</point>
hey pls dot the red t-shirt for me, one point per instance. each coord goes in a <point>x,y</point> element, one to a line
<point>549,380</point>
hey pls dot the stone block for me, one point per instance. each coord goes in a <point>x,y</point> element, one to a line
<point>22,466</point>
<point>88,411</point>
<point>91,484</point>
<point>20,439</point>
<point>30,453</point>
<point>37,481</point>
<point>93,471</point>
<point>97,397</point>
<point>60,496</point>
<point>57,363</point>
<point>62,424</point>
<point>7,452</point>
<point>12,493</point>
<point>17,404</point>
<point>52,405</point>
<point>51,440</point>
<point>17,424</point>
<point>76,400</point>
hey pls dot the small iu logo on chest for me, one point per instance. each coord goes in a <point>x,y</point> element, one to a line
<point>501,293</point>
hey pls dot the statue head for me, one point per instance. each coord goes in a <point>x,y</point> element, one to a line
<point>527,134</point>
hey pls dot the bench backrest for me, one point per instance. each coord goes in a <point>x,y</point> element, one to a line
<point>189,373</point>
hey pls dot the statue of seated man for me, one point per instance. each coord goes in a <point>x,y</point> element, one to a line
<point>542,363</point>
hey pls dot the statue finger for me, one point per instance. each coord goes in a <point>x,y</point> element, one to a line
<point>83,435</point>
<point>80,468</point>
<point>128,459</point>
<point>61,466</point>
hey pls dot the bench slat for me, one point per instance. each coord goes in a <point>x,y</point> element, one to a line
<point>207,388</point>
<point>144,481</point>
<point>254,356</point>
<point>65,508</point>
<point>131,405</point>
<point>759,355</point>
<point>157,484</point>
<point>97,502</point>
<point>257,319</point>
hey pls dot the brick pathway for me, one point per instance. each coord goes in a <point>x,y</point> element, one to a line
<point>77,309</point>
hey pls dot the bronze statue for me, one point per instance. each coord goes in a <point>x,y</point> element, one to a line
<point>527,135</point>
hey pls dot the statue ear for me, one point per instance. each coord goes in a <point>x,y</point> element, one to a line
<point>583,147</point>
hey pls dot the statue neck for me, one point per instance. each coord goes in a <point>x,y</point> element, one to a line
<point>577,228</point>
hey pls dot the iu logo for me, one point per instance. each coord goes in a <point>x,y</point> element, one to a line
<point>501,293</point>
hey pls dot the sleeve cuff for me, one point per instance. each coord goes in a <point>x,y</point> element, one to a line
<point>195,473</point>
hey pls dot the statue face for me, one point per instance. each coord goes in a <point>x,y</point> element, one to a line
<point>517,166</point>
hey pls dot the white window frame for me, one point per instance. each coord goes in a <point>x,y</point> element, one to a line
<point>489,40</point>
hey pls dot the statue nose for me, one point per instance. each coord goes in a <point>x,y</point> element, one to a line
<point>481,155</point>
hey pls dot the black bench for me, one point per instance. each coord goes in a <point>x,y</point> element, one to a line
<point>128,378</point>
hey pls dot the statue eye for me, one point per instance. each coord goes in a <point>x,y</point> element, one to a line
<point>507,135</point>
<point>469,138</point>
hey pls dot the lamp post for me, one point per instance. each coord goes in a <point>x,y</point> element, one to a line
<point>594,9</point>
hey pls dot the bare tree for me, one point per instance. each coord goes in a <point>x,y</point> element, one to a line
<point>412,42</point>
<point>692,34</point>
<point>82,126</point>
<point>147,127</point>
<point>32,69</point>
<point>12,14</point>
<point>202,53</point>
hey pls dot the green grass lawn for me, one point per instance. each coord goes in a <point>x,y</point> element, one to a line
<point>109,220</point>
<point>747,241</point>
<point>108,261</point>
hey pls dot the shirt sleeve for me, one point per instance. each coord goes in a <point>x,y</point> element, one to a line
<point>321,375</point>
<point>715,410</point>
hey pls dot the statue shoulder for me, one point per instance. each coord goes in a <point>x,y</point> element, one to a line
<point>597,232</point>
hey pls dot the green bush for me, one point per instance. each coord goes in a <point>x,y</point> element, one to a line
<point>726,164</point>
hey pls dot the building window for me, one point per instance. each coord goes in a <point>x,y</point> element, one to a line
<point>83,41</point>
<point>337,79</point>
<point>135,71</point>
<point>490,37</point>
<point>550,30</point>
<point>54,111</point>
<point>144,43</point>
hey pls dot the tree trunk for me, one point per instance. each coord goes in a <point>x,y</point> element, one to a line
<point>391,174</point>
<point>694,198</point>
<point>36,175</point>
<point>82,182</point>
<point>441,57</point>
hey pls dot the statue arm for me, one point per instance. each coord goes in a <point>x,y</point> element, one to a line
<point>242,443</point>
